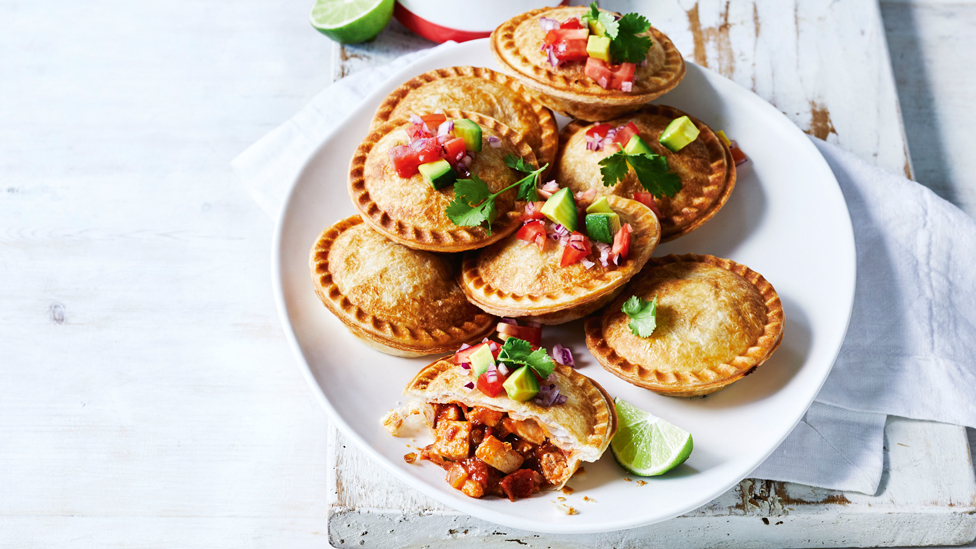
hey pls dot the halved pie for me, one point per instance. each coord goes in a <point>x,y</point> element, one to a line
<point>514,278</point>
<point>410,211</point>
<point>717,321</point>
<point>480,90</point>
<point>397,300</point>
<point>705,167</point>
<point>566,88</point>
<point>500,446</point>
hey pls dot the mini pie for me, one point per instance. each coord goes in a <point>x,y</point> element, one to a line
<point>513,279</point>
<point>561,436</point>
<point>705,166</point>
<point>411,212</point>
<point>566,89</point>
<point>397,300</point>
<point>480,90</point>
<point>717,321</point>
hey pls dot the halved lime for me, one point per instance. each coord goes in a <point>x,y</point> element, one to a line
<point>645,444</point>
<point>351,21</point>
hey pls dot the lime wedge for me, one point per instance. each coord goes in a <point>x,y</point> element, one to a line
<point>351,21</point>
<point>647,445</point>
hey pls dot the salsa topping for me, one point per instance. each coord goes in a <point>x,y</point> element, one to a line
<point>474,203</point>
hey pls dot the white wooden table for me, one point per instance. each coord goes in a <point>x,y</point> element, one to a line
<point>148,398</point>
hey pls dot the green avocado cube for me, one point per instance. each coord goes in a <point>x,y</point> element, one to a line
<point>470,132</point>
<point>521,385</point>
<point>679,133</point>
<point>438,174</point>
<point>600,205</point>
<point>636,145</point>
<point>598,46</point>
<point>601,227</point>
<point>561,208</point>
<point>481,359</point>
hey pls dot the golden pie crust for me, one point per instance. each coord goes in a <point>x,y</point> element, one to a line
<point>516,43</point>
<point>513,279</point>
<point>411,212</point>
<point>397,300</point>
<point>717,321</point>
<point>480,90</point>
<point>582,426</point>
<point>705,166</point>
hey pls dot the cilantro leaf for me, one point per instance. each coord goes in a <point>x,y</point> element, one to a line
<point>602,17</point>
<point>628,45</point>
<point>518,163</point>
<point>652,171</point>
<point>473,203</point>
<point>527,185</point>
<point>519,351</point>
<point>643,315</point>
<point>614,168</point>
<point>654,174</point>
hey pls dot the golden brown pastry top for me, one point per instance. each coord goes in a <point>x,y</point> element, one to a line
<point>705,167</point>
<point>518,43</point>
<point>526,280</point>
<point>411,212</point>
<point>583,425</point>
<point>480,90</point>
<point>407,297</point>
<point>716,321</point>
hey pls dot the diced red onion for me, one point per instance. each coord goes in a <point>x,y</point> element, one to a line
<point>548,395</point>
<point>627,86</point>
<point>576,245</point>
<point>511,321</point>
<point>503,370</point>
<point>602,81</point>
<point>604,252</point>
<point>587,263</point>
<point>533,324</point>
<point>563,355</point>
<point>469,386</point>
<point>445,128</point>
<point>551,186</point>
<point>415,119</point>
<point>551,378</point>
<point>548,24</point>
<point>464,346</point>
<point>467,160</point>
<point>529,210</point>
<point>560,400</point>
<point>441,139</point>
<point>494,142</point>
<point>465,366</point>
<point>492,345</point>
<point>585,197</point>
<point>552,58</point>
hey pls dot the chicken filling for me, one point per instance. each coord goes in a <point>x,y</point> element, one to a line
<point>485,452</point>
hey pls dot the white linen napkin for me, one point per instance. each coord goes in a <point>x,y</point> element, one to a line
<point>912,338</point>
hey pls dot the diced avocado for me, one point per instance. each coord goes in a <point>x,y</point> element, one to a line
<point>602,226</point>
<point>636,145</point>
<point>561,208</point>
<point>725,139</point>
<point>481,359</point>
<point>598,46</point>
<point>679,133</point>
<point>595,26</point>
<point>521,385</point>
<point>439,174</point>
<point>600,205</point>
<point>470,132</point>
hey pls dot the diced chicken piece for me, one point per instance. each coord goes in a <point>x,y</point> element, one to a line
<point>485,416</point>
<point>520,484</point>
<point>457,475</point>
<point>553,464</point>
<point>524,447</point>
<point>473,489</point>
<point>453,440</point>
<point>499,455</point>
<point>447,412</point>
<point>527,429</point>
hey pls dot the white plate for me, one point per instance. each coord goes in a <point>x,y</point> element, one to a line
<point>786,219</point>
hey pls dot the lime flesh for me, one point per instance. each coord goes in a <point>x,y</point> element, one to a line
<point>647,445</point>
<point>351,21</point>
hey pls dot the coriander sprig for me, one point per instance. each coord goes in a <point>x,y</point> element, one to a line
<point>519,351</point>
<point>627,43</point>
<point>652,171</point>
<point>643,315</point>
<point>474,203</point>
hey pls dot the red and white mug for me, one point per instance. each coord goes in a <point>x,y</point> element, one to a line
<point>441,20</point>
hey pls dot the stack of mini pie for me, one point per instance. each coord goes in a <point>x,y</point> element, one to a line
<point>408,281</point>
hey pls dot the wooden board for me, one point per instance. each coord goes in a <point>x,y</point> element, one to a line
<point>826,66</point>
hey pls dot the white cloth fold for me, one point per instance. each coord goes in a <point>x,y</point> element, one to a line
<point>911,344</point>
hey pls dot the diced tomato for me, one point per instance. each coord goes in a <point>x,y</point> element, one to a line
<point>434,121</point>
<point>647,199</point>
<point>417,131</point>
<point>533,231</point>
<point>407,159</point>
<point>488,387</point>
<point>454,150</point>
<point>570,50</point>
<point>600,130</point>
<point>573,23</point>
<point>559,35</point>
<point>532,334</point>
<point>533,210</point>
<point>625,134</point>
<point>609,77</point>
<point>737,155</point>
<point>577,248</point>
<point>465,354</point>
<point>621,242</point>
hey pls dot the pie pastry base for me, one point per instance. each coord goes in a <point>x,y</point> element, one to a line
<point>514,279</point>
<point>582,427</point>
<point>705,166</point>
<point>398,301</point>
<point>717,322</point>
<point>480,90</point>
<point>516,43</point>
